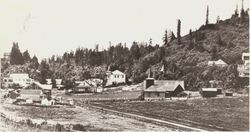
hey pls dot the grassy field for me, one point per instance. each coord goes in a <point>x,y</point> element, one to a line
<point>229,113</point>
<point>106,96</point>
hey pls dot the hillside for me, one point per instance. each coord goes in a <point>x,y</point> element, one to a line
<point>187,61</point>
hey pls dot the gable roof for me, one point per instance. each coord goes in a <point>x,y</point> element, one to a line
<point>117,72</point>
<point>218,62</point>
<point>19,75</point>
<point>165,85</point>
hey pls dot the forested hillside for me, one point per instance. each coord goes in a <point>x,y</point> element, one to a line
<point>183,58</point>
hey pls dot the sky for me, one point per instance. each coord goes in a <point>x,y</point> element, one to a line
<point>48,27</point>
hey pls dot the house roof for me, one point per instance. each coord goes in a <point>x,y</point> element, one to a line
<point>218,62</point>
<point>19,75</point>
<point>165,85</point>
<point>209,89</point>
<point>245,54</point>
<point>117,72</point>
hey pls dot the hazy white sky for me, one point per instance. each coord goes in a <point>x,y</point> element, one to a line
<point>49,27</point>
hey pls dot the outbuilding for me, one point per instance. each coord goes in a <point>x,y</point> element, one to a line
<point>209,92</point>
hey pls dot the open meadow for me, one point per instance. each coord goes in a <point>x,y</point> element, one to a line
<point>229,113</point>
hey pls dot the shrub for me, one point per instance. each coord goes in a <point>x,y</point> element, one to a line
<point>80,127</point>
<point>29,122</point>
<point>59,127</point>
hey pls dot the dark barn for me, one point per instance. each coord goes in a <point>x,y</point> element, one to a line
<point>161,89</point>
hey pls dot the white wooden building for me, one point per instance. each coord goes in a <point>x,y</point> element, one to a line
<point>115,77</point>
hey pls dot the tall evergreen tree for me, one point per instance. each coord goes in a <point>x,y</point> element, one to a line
<point>207,15</point>
<point>165,38</point>
<point>34,62</point>
<point>179,31</point>
<point>44,71</point>
<point>26,56</point>
<point>16,57</point>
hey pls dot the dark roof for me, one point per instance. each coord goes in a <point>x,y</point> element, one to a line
<point>165,85</point>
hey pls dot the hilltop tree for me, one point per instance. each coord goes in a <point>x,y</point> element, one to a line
<point>16,57</point>
<point>207,15</point>
<point>26,56</point>
<point>165,38</point>
<point>179,31</point>
<point>172,37</point>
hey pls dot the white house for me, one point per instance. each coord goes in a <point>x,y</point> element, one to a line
<point>244,69</point>
<point>115,77</point>
<point>219,62</point>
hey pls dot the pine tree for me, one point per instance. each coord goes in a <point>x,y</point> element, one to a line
<point>26,56</point>
<point>207,15</point>
<point>179,31</point>
<point>16,57</point>
<point>165,38</point>
<point>34,62</point>
<point>242,13</point>
<point>172,37</point>
<point>44,71</point>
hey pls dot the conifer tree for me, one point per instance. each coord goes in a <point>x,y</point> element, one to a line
<point>26,56</point>
<point>16,57</point>
<point>207,15</point>
<point>179,31</point>
<point>165,38</point>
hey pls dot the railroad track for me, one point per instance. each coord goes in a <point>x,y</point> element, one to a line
<point>185,126</point>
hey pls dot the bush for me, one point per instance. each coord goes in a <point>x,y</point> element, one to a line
<point>59,127</point>
<point>29,122</point>
<point>80,127</point>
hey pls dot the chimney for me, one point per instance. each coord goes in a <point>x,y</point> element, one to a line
<point>149,82</point>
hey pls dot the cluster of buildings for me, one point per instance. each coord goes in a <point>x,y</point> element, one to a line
<point>32,91</point>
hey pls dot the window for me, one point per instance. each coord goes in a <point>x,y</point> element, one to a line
<point>157,94</point>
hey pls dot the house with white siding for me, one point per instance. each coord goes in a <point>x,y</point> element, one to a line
<point>115,77</point>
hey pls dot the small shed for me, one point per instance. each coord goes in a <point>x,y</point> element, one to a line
<point>209,92</point>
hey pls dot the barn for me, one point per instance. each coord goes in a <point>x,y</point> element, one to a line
<point>161,89</point>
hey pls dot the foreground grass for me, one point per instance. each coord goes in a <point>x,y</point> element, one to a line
<point>229,113</point>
